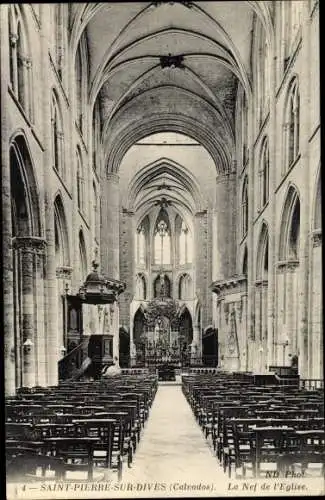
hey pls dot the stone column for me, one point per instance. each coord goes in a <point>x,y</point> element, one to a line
<point>133,351</point>
<point>244,354</point>
<point>40,315</point>
<point>7,255</point>
<point>13,44</point>
<point>114,312</point>
<point>127,264</point>
<point>291,306</point>
<point>264,319</point>
<point>316,341</point>
<point>274,160</point>
<point>201,261</point>
<point>280,313</point>
<point>258,311</point>
<point>28,250</point>
<point>196,352</point>
<point>29,86</point>
<point>110,237</point>
<point>222,224</point>
<point>63,276</point>
<point>51,325</point>
<point>305,91</point>
<point>28,333</point>
<point>251,117</point>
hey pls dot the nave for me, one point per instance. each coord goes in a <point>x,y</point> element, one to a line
<point>133,430</point>
<point>173,448</point>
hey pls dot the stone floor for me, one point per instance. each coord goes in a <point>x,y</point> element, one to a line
<point>172,447</point>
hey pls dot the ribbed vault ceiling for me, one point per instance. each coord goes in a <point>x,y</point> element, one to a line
<point>133,74</point>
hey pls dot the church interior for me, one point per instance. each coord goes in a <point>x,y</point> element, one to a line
<point>162,239</point>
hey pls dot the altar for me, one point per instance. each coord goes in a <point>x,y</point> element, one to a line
<point>162,341</point>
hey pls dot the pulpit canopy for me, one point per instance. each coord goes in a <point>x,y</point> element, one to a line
<point>98,289</point>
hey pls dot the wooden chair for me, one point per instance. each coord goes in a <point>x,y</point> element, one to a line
<point>109,445</point>
<point>270,447</point>
<point>23,464</point>
<point>239,453</point>
<point>76,452</point>
<point>311,450</point>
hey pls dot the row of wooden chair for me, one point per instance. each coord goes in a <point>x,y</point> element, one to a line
<point>74,427</point>
<point>249,425</point>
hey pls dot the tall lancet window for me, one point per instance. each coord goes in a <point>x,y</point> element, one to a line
<point>162,241</point>
<point>185,245</point>
<point>141,245</point>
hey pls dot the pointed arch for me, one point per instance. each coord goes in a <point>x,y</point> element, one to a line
<point>161,169</point>
<point>96,131</point>
<point>186,326</point>
<point>61,231</point>
<point>81,68</point>
<point>244,261</point>
<point>140,287</point>
<point>96,213</point>
<point>290,226</point>
<point>138,325</point>
<point>262,263</point>
<point>60,23</point>
<point>244,207</point>
<point>162,286</point>
<point>20,59</point>
<point>82,257</point>
<point>264,167</point>
<point>24,190</point>
<point>185,243</point>
<point>291,125</point>
<point>57,135</point>
<point>162,238</point>
<point>261,63</point>
<point>198,315</point>
<point>80,181</point>
<point>317,212</point>
<point>185,287</point>
<point>141,241</point>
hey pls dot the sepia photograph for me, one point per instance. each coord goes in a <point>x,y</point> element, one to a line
<point>162,249</point>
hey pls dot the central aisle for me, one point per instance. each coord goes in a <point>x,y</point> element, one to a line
<point>172,447</point>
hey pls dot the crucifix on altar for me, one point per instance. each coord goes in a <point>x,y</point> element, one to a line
<point>162,332</point>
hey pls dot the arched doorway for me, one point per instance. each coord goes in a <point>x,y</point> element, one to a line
<point>210,347</point>
<point>185,335</point>
<point>124,347</point>
<point>138,335</point>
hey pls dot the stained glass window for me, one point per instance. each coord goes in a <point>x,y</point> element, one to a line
<point>162,243</point>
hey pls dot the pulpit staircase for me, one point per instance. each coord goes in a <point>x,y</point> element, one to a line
<point>76,363</point>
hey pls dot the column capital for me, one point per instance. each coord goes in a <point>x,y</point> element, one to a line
<point>223,177</point>
<point>33,244</point>
<point>316,238</point>
<point>13,37</point>
<point>287,265</point>
<point>202,213</point>
<point>239,308</point>
<point>64,272</point>
<point>25,60</point>
<point>261,283</point>
<point>112,177</point>
<point>127,211</point>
